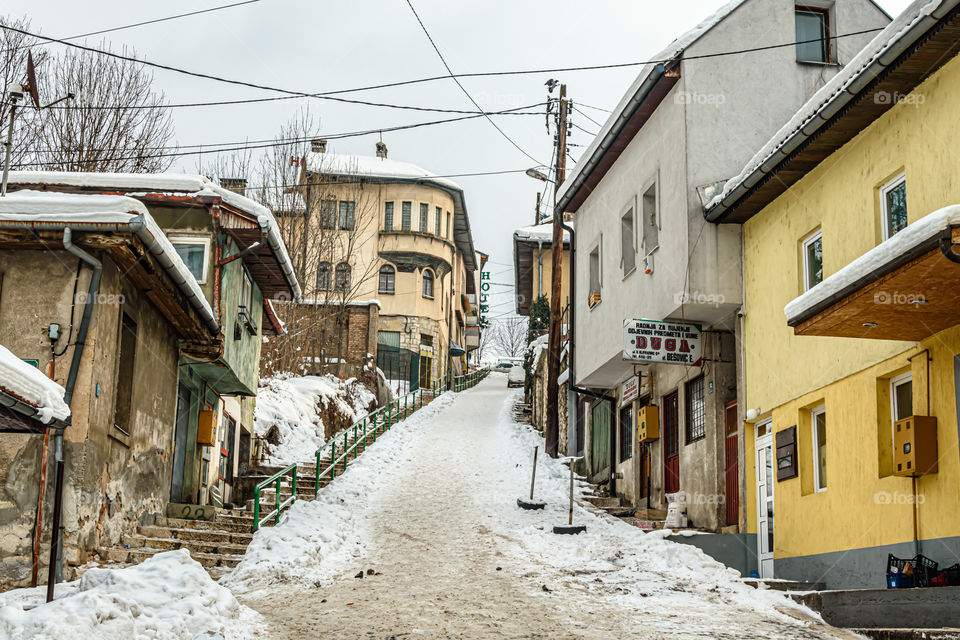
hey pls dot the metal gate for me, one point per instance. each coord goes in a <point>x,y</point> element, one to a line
<point>600,441</point>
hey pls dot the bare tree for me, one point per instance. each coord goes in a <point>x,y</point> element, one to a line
<point>117,121</point>
<point>13,70</point>
<point>511,336</point>
<point>486,341</point>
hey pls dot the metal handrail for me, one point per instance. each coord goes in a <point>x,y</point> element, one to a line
<point>277,478</point>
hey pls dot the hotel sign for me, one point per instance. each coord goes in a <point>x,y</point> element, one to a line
<point>659,341</point>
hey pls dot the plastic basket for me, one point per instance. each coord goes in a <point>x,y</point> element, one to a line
<point>899,581</point>
<point>919,568</point>
<point>953,575</point>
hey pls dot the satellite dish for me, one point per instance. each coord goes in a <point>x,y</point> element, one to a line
<point>31,87</point>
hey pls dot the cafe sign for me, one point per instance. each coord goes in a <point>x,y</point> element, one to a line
<point>663,342</point>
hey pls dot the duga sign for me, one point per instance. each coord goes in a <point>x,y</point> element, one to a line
<point>658,341</point>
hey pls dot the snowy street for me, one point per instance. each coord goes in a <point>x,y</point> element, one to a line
<point>445,552</point>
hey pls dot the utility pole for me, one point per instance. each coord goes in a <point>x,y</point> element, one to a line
<point>553,364</point>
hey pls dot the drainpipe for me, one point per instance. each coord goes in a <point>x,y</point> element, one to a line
<point>55,573</point>
<point>539,268</point>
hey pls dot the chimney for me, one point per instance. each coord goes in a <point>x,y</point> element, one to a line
<point>237,185</point>
<point>318,145</point>
<point>382,150</point>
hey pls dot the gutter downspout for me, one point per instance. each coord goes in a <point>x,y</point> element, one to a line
<point>540,268</point>
<point>55,573</point>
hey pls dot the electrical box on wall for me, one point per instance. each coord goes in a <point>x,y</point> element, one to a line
<point>207,428</point>
<point>648,423</point>
<point>915,446</point>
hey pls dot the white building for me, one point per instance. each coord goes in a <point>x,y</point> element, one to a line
<point>644,250</point>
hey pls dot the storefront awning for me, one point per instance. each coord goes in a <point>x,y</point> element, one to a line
<point>906,288</point>
<point>456,350</point>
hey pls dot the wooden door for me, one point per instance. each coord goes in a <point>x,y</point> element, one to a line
<point>732,466</point>
<point>181,432</point>
<point>671,443</point>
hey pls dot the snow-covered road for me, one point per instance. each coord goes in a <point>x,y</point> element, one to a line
<point>429,517</point>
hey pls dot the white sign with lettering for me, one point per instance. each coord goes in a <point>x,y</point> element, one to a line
<point>660,341</point>
<point>630,390</point>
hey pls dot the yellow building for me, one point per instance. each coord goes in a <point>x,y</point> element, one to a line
<point>390,231</point>
<point>850,320</point>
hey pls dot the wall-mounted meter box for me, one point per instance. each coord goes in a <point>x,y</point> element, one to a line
<point>207,428</point>
<point>915,446</point>
<point>648,423</point>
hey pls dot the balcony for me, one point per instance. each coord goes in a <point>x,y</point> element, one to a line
<point>416,249</point>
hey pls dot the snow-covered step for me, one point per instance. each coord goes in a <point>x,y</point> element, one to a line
<point>603,502</point>
<point>204,535</point>
<point>242,526</point>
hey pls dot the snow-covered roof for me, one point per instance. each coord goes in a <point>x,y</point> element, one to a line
<point>187,184</point>
<point>859,272</point>
<point>77,209</point>
<point>377,169</point>
<point>670,52</point>
<point>25,383</point>
<point>825,103</point>
<point>374,167</point>
<point>542,232</point>
<point>336,303</point>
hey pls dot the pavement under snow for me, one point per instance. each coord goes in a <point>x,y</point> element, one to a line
<point>428,516</point>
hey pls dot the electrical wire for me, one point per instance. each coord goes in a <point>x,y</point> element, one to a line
<point>460,84</point>
<point>590,107</point>
<point>586,116</point>
<point>449,76</point>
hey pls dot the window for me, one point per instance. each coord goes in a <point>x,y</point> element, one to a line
<point>424,208</point>
<point>818,420</point>
<point>122,412</point>
<point>626,432</point>
<point>594,295</point>
<point>342,277</point>
<point>405,220</point>
<point>328,214</point>
<point>449,220</point>
<point>696,410</point>
<point>651,227</point>
<point>346,214</point>
<point>436,221</point>
<point>813,31</point>
<point>813,260</point>
<point>901,397</point>
<point>246,292</point>
<point>388,278</point>
<point>323,277</point>
<point>893,199</point>
<point>628,252</point>
<point>426,340</point>
<point>388,217</point>
<point>193,252</point>
<point>428,284</point>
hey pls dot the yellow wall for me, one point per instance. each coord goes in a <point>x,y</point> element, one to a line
<point>546,287</point>
<point>785,373</point>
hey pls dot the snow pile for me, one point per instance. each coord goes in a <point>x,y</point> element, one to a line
<point>168,596</point>
<point>321,538</point>
<point>863,270</point>
<point>26,383</point>
<point>289,412</point>
<point>536,348</point>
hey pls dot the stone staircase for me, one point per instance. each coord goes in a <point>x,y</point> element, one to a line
<point>218,542</point>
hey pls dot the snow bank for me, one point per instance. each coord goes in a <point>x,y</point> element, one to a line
<point>28,384</point>
<point>168,596</point>
<point>536,348</point>
<point>320,539</point>
<point>294,405</point>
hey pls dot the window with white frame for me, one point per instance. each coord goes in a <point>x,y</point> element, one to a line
<point>901,397</point>
<point>818,422</point>
<point>195,254</point>
<point>651,223</point>
<point>893,201</point>
<point>595,281</point>
<point>246,292</point>
<point>812,260</point>
<point>628,250</point>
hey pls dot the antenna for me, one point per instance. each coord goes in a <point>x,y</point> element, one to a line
<point>17,93</point>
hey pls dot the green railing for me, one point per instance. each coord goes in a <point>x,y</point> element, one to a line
<point>343,449</point>
<point>276,478</point>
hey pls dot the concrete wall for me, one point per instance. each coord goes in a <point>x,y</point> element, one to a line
<point>113,480</point>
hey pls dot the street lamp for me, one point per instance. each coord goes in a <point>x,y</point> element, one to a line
<point>536,174</point>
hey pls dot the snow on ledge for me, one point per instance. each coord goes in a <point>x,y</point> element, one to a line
<point>542,232</point>
<point>910,238</point>
<point>28,384</point>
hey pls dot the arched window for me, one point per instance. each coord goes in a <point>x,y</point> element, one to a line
<point>388,279</point>
<point>323,277</point>
<point>428,284</point>
<point>342,277</point>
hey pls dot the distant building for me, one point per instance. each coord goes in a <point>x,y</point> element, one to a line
<point>533,266</point>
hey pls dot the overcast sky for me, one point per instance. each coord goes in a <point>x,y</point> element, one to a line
<point>324,46</point>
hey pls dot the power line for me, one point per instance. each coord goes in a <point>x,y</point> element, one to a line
<point>449,76</point>
<point>460,84</point>
<point>589,107</point>
<point>586,116</point>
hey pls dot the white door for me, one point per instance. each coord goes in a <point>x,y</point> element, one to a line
<point>765,482</point>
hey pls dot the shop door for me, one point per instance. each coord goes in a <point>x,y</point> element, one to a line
<point>764,468</point>
<point>426,369</point>
<point>600,441</point>
<point>732,466</point>
<point>182,430</point>
<point>671,443</point>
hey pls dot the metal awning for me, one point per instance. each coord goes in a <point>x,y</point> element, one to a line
<point>456,350</point>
